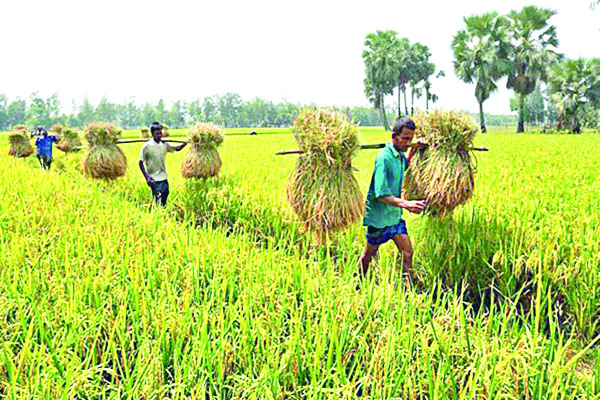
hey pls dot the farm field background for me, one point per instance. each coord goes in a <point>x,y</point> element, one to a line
<point>221,295</point>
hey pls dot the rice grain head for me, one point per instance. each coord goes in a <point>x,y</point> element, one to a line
<point>442,173</point>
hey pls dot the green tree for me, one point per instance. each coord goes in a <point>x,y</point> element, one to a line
<point>86,112</point>
<point>381,66</point>
<point>43,112</point>
<point>3,112</point>
<point>480,55</point>
<point>429,96</point>
<point>535,108</point>
<point>534,42</point>
<point>404,70</point>
<point>106,111</point>
<point>575,86</point>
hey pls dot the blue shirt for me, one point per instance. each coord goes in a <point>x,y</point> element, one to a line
<point>387,179</point>
<point>44,145</point>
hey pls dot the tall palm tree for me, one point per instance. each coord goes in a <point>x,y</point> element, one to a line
<point>481,55</point>
<point>380,68</point>
<point>534,42</point>
<point>575,86</point>
<point>404,71</point>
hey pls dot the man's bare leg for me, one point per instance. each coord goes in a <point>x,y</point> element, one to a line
<point>406,251</point>
<point>368,254</point>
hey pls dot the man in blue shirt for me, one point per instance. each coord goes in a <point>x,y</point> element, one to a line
<point>384,204</point>
<point>44,148</point>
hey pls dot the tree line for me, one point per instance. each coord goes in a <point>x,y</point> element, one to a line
<point>228,110</point>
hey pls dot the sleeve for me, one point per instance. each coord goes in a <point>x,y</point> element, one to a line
<point>170,148</point>
<point>381,186</point>
<point>142,153</point>
<point>54,139</point>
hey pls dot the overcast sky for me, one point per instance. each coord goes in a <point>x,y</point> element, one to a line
<point>307,51</point>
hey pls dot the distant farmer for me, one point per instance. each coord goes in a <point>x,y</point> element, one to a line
<point>44,147</point>
<point>152,163</point>
<point>383,214</point>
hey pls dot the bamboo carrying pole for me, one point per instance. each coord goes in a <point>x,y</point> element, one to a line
<point>378,146</point>
<point>145,140</point>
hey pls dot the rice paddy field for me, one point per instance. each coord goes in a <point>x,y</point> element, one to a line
<point>221,295</point>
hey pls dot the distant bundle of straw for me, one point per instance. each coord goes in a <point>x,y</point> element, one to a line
<point>20,128</point>
<point>103,160</point>
<point>165,130</point>
<point>57,129</point>
<point>145,133</point>
<point>69,141</point>
<point>322,190</point>
<point>442,173</point>
<point>203,161</point>
<point>20,146</point>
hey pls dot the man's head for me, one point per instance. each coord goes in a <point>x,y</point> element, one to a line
<point>156,131</point>
<point>402,133</point>
<point>42,131</point>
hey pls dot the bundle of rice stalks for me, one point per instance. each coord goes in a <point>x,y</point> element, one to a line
<point>57,129</point>
<point>442,173</point>
<point>20,146</point>
<point>145,132</point>
<point>103,160</point>
<point>203,161</point>
<point>322,190</point>
<point>20,128</point>
<point>165,130</point>
<point>69,141</point>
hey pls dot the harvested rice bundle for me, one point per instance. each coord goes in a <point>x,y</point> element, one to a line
<point>69,141</point>
<point>103,160</point>
<point>20,146</point>
<point>57,129</point>
<point>322,190</point>
<point>442,173</point>
<point>165,130</point>
<point>203,161</point>
<point>145,132</point>
<point>20,128</point>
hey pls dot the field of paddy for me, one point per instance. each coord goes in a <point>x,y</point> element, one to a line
<point>222,296</point>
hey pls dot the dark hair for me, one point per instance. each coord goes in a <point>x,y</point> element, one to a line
<point>156,126</point>
<point>401,123</point>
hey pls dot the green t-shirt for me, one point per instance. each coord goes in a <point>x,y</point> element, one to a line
<point>387,179</point>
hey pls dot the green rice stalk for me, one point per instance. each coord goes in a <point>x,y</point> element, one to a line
<point>203,161</point>
<point>103,160</point>
<point>322,190</point>
<point>442,173</point>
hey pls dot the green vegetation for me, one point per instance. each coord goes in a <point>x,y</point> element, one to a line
<point>221,295</point>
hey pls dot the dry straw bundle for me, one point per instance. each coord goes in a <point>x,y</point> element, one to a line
<point>57,129</point>
<point>442,173</point>
<point>145,132</point>
<point>203,161</point>
<point>322,190</point>
<point>69,141</point>
<point>103,160</point>
<point>20,146</point>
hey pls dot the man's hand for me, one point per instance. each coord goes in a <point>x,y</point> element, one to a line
<point>149,181</point>
<point>414,206</point>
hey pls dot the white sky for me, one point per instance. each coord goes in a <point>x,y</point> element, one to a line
<point>307,51</point>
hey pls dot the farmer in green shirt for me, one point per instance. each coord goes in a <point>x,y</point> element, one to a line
<point>383,214</point>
